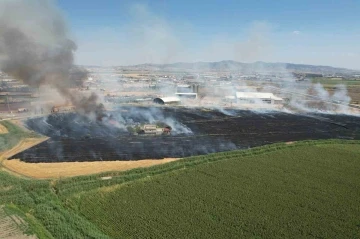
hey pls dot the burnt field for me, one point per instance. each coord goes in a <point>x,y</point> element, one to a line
<point>194,132</point>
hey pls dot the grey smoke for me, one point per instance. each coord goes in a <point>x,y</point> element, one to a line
<point>257,44</point>
<point>36,47</point>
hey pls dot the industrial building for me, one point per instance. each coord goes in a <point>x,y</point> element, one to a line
<point>173,100</point>
<point>193,88</point>
<point>187,95</point>
<point>187,91</point>
<point>258,97</point>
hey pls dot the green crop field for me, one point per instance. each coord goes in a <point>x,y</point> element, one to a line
<point>331,82</point>
<point>309,191</point>
<point>299,190</point>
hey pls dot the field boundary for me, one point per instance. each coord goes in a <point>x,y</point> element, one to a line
<point>68,186</point>
<point>23,145</point>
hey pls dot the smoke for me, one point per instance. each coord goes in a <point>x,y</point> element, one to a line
<point>316,98</point>
<point>144,37</point>
<point>341,96</point>
<point>153,36</point>
<point>257,44</point>
<point>36,47</point>
<point>150,115</point>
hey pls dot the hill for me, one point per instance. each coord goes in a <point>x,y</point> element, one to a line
<point>242,67</point>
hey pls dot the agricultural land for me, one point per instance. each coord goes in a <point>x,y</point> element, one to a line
<point>303,189</point>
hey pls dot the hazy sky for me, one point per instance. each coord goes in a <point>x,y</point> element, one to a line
<point>124,32</point>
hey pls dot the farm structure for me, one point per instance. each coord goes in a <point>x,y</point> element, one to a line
<point>62,108</point>
<point>258,97</point>
<point>187,95</point>
<point>187,91</point>
<point>194,132</point>
<point>154,130</point>
<point>172,100</point>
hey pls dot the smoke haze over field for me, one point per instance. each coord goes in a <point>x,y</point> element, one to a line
<point>35,47</point>
<point>149,37</point>
<point>146,33</point>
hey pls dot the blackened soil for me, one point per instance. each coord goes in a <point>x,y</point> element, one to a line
<point>76,138</point>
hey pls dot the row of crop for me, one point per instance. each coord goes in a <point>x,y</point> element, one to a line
<point>18,191</point>
<point>93,181</point>
<point>36,197</point>
<point>44,212</point>
<point>63,223</point>
<point>290,197</point>
<point>66,187</point>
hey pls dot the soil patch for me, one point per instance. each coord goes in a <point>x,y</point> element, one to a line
<point>12,226</point>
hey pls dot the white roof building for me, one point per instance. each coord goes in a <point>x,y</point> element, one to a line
<point>167,100</point>
<point>256,95</point>
<point>187,95</point>
<point>259,96</point>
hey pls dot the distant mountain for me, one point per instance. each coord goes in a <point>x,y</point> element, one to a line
<point>241,67</point>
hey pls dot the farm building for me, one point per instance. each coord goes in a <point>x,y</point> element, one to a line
<point>258,97</point>
<point>187,95</point>
<point>62,108</point>
<point>150,129</point>
<point>187,91</point>
<point>173,100</point>
<point>193,88</point>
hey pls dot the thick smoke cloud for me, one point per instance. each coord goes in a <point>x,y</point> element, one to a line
<point>35,47</point>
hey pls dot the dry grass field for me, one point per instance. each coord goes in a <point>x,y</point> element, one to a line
<point>70,169</point>
<point>3,129</point>
<point>56,170</point>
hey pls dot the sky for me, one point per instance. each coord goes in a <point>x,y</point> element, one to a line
<point>127,32</point>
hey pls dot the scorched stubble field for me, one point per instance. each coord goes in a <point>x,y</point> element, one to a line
<point>195,132</point>
<point>302,189</point>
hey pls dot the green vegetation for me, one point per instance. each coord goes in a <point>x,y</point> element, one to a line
<point>304,189</point>
<point>38,205</point>
<point>300,192</point>
<point>15,134</point>
<point>332,82</point>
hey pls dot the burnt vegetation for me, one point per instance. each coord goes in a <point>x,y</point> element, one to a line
<point>194,132</point>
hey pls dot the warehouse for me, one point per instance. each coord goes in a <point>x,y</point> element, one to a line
<point>193,88</point>
<point>167,100</point>
<point>187,91</point>
<point>187,95</point>
<point>258,97</point>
